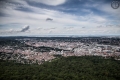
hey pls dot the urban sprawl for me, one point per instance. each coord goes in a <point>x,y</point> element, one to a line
<point>29,50</point>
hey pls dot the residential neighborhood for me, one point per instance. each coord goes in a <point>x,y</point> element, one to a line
<point>38,50</point>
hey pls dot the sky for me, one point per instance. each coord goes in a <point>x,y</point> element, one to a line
<point>58,17</point>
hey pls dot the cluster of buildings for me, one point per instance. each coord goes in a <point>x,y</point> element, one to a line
<point>31,53</point>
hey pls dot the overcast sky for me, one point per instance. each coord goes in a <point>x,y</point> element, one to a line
<point>58,17</point>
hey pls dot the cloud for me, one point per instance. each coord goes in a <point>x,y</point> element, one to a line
<point>25,28</point>
<point>50,2</point>
<point>49,19</point>
<point>16,31</point>
<point>63,20</point>
<point>50,31</point>
<point>53,28</point>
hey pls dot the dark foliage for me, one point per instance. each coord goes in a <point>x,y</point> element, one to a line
<point>70,68</point>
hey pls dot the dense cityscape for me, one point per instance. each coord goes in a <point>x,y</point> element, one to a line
<point>29,50</point>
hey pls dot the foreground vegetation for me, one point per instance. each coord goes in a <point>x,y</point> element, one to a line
<point>70,68</point>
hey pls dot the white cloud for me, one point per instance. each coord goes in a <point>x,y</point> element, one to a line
<point>99,18</point>
<point>50,2</point>
<point>39,25</point>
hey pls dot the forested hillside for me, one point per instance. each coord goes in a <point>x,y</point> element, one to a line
<point>70,68</point>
